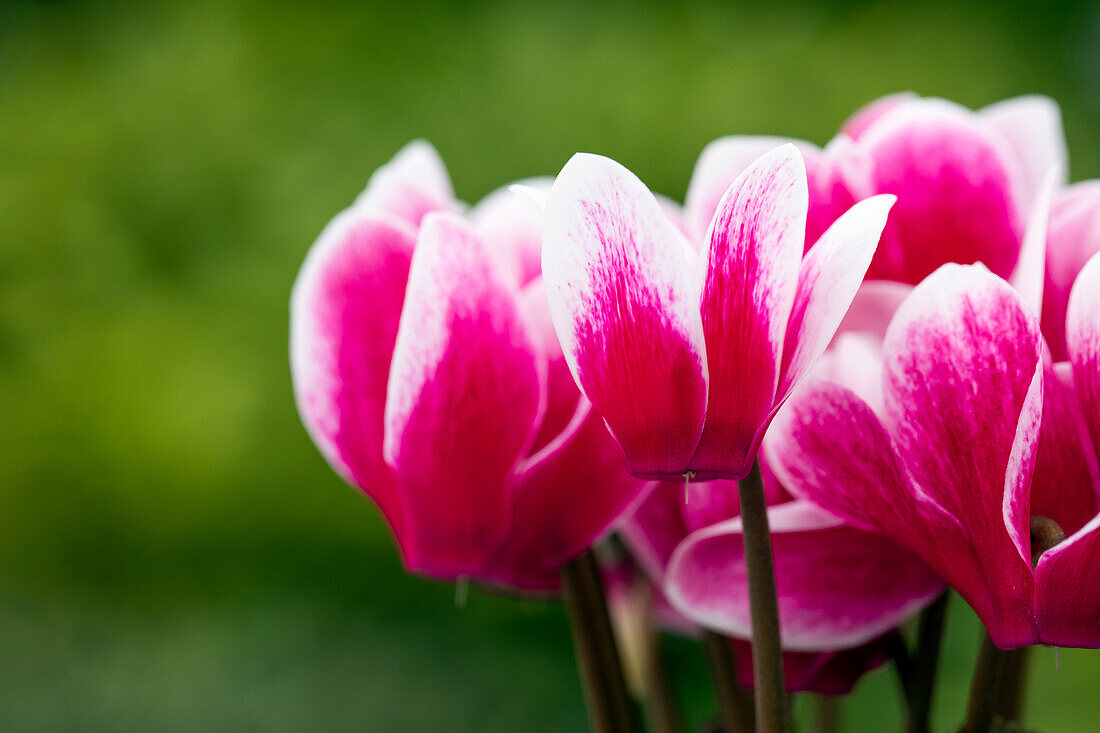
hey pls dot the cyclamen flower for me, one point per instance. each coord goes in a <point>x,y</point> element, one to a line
<point>969,184</point>
<point>977,443</point>
<point>1073,236</point>
<point>687,357</point>
<point>427,372</point>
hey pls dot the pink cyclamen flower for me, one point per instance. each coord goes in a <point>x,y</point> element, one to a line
<point>687,357</point>
<point>968,183</point>
<point>427,373</point>
<point>977,436</point>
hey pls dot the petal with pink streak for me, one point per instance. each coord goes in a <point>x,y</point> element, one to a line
<point>413,183</point>
<point>1067,590</point>
<point>1032,126</point>
<point>719,165</point>
<point>828,446</point>
<point>511,224</point>
<point>957,192</point>
<point>1083,340</point>
<point>626,312</point>
<point>1073,237</point>
<point>344,312</point>
<point>463,400</point>
<point>963,393</point>
<point>827,283</point>
<point>867,115</point>
<point>1064,487</point>
<point>749,281</point>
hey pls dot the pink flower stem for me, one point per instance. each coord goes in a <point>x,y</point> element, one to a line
<point>610,709</point>
<point>772,704</point>
<point>735,702</point>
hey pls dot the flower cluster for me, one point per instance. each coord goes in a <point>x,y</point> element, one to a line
<point>895,339</point>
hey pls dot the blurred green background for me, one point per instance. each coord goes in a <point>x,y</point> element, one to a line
<point>174,554</point>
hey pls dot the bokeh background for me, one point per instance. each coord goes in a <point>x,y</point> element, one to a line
<point>174,554</point>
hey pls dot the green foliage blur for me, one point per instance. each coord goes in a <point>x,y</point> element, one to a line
<point>174,554</point>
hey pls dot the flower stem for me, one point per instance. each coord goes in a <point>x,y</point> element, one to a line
<point>610,709</point>
<point>987,689</point>
<point>827,714</point>
<point>735,702</point>
<point>661,703</point>
<point>921,680</point>
<point>772,706</point>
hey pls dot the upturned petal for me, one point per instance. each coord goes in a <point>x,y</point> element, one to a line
<point>510,223</point>
<point>1083,341</point>
<point>1067,590</point>
<point>749,281</point>
<point>344,314</point>
<point>838,586</point>
<point>867,115</point>
<point>956,184</point>
<point>1032,127</point>
<point>963,394</point>
<point>654,528</point>
<point>1073,237</point>
<point>626,312</point>
<point>831,274</point>
<point>413,183</point>
<point>465,394</point>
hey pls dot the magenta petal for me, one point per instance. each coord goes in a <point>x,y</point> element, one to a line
<point>1029,275</point>
<point>655,527</point>
<point>413,183</point>
<point>344,313</point>
<point>964,394</point>
<point>510,223</point>
<point>719,165</point>
<point>1083,341</point>
<point>1032,127</point>
<point>827,283</point>
<point>955,184</point>
<point>749,286</point>
<point>826,673</point>
<point>465,392</point>
<point>828,446</point>
<point>625,309</point>
<point>1073,237</point>
<point>838,586</point>
<point>870,113</point>
<point>1067,590</point>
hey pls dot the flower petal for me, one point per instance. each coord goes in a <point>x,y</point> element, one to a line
<point>826,673</point>
<point>625,309</point>
<point>511,224</point>
<point>562,396</point>
<point>1073,237</point>
<point>838,586</point>
<point>1032,126</point>
<point>955,182</point>
<point>413,183</point>
<point>750,278</point>
<point>1083,340</point>
<point>1028,275</point>
<point>828,446</point>
<point>463,400</point>
<point>344,312</point>
<point>1067,590</point>
<point>827,283</point>
<point>655,527</point>
<point>963,394</point>
<point>873,307</point>
<point>867,115</point>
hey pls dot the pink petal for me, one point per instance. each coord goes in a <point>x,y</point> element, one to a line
<point>709,502</point>
<point>870,113</point>
<point>964,395</point>
<point>1067,590</point>
<point>1083,340</point>
<point>873,307</point>
<point>1032,126</point>
<point>568,498</point>
<point>838,586</point>
<point>625,309</point>
<point>413,183</point>
<point>1064,487</point>
<point>828,446</point>
<point>562,396</point>
<point>827,283</point>
<point>1073,237</point>
<point>749,285</point>
<point>854,360</point>
<point>719,165</point>
<point>344,312</point>
<point>464,397</point>
<point>1028,276</point>
<point>511,224</point>
<point>954,181</point>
